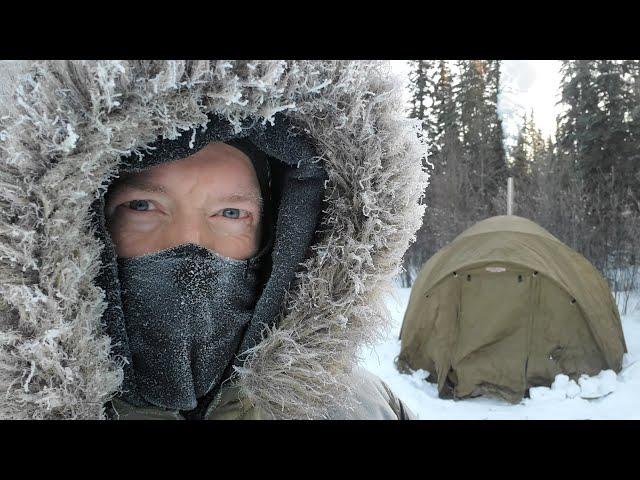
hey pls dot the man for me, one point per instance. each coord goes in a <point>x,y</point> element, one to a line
<point>211,198</point>
<point>200,239</point>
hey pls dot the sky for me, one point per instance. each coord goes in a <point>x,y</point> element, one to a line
<point>527,85</point>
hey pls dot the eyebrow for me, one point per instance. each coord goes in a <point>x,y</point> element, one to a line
<point>141,185</point>
<point>242,196</point>
<point>155,188</point>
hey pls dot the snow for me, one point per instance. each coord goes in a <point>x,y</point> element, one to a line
<point>70,142</point>
<point>603,396</point>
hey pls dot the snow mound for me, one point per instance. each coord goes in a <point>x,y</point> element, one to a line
<point>595,387</point>
<point>587,387</point>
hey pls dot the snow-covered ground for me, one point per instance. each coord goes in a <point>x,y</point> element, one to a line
<point>605,396</point>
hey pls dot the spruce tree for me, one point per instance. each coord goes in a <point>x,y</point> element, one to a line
<point>599,132</point>
<point>528,164</point>
<point>496,155</point>
<point>581,130</point>
<point>418,88</point>
<point>470,102</point>
<point>421,87</point>
<point>444,106</point>
<point>481,128</point>
<point>520,155</point>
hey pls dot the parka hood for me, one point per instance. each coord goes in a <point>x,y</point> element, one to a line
<point>65,129</point>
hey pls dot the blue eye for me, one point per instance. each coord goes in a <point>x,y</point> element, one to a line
<point>139,205</point>
<point>231,213</point>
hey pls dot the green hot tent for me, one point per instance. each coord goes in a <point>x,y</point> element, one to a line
<point>507,306</point>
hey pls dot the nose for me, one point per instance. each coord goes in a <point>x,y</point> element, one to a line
<point>188,229</point>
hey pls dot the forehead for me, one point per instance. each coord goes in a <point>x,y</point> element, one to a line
<point>216,164</point>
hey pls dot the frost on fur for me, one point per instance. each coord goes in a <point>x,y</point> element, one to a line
<point>64,127</point>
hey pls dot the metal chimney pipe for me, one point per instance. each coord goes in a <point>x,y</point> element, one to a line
<point>510,196</point>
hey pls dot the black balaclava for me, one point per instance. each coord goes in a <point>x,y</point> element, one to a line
<point>260,162</point>
<point>185,310</point>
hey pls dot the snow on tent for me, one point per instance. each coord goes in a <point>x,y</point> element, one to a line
<point>507,306</point>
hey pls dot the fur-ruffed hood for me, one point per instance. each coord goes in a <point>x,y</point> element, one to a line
<point>64,126</point>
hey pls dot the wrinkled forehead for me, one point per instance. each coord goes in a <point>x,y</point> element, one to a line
<point>216,164</point>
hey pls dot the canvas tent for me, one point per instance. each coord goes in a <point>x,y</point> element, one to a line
<point>507,306</point>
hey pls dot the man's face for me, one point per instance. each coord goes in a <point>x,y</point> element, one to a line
<point>211,198</point>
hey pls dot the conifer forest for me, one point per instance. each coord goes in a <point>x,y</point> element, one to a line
<point>583,186</point>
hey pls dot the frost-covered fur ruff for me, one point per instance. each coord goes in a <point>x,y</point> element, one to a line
<point>64,127</point>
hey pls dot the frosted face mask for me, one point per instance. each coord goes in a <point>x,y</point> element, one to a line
<point>185,311</point>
